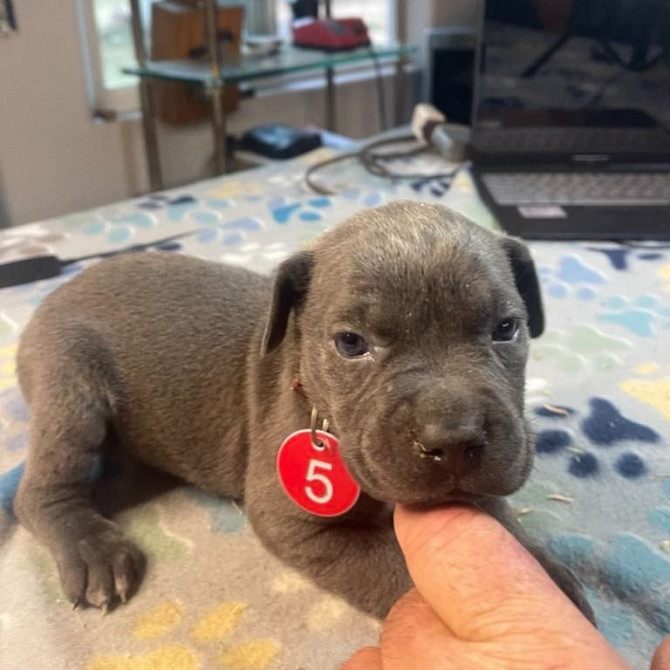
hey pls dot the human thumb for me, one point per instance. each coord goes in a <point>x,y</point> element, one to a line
<point>662,656</point>
<point>485,586</point>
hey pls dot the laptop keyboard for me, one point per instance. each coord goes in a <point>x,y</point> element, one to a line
<point>574,140</point>
<point>578,188</point>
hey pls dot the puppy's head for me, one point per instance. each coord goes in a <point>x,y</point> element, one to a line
<point>413,327</point>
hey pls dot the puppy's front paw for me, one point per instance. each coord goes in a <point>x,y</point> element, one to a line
<point>101,569</point>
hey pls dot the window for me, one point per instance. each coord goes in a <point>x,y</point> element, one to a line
<point>108,44</point>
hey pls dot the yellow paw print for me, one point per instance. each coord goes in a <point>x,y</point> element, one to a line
<point>207,632</point>
<point>7,366</point>
<point>654,392</point>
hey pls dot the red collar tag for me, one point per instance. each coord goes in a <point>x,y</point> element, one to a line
<point>316,478</point>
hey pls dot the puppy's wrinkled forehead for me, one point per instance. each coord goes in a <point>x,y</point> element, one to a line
<point>416,260</point>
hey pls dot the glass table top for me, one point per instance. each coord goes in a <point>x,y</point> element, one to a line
<point>250,66</point>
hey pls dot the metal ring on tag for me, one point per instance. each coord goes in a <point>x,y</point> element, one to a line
<point>316,442</point>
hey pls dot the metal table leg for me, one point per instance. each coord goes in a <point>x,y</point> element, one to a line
<point>151,137</point>
<point>400,116</point>
<point>400,78</point>
<point>219,119</point>
<point>146,100</point>
<point>331,112</point>
<point>218,89</point>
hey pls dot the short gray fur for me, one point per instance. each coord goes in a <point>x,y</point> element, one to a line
<point>191,367</point>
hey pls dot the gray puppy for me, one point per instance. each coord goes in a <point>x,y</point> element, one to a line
<point>406,327</point>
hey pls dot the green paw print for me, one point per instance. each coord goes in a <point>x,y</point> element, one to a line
<point>580,348</point>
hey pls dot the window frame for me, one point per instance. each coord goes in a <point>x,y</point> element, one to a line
<point>111,103</point>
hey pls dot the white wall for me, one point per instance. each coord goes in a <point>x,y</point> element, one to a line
<point>55,159</point>
<point>454,12</point>
<point>52,158</point>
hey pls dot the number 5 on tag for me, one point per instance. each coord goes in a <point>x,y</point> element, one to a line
<point>316,479</point>
<point>313,476</point>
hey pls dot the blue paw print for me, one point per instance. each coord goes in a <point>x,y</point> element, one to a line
<point>225,517</point>
<point>218,203</point>
<point>619,257</point>
<point>605,426</point>
<point>230,234</point>
<point>179,207</point>
<point>121,229</point>
<point>633,570</point>
<point>572,276</point>
<point>308,211</point>
<point>9,485</point>
<point>552,441</point>
<point>574,270</point>
<point>176,207</point>
<point>154,201</point>
<point>169,246</point>
<point>639,316</point>
<point>116,233</point>
<point>438,188</point>
<point>660,517</point>
<point>207,218</point>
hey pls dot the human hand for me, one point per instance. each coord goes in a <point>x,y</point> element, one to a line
<point>482,602</point>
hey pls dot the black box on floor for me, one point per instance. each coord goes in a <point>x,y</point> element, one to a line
<point>277,141</point>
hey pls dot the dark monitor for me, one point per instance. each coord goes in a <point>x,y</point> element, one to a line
<point>450,71</point>
<point>574,63</point>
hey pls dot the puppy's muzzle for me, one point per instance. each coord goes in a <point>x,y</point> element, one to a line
<point>458,451</point>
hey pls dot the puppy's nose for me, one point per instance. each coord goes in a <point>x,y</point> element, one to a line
<point>459,451</point>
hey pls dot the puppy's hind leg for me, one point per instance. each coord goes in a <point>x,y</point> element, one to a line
<point>68,382</point>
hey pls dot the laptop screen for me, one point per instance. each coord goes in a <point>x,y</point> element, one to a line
<point>574,63</point>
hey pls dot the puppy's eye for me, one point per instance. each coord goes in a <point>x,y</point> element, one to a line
<point>351,345</point>
<point>506,330</point>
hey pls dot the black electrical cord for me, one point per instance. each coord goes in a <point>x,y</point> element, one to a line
<point>373,161</point>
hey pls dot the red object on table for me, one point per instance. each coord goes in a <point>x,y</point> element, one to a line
<point>330,34</point>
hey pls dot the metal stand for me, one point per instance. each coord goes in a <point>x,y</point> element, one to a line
<point>331,112</point>
<point>147,102</point>
<point>217,90</point>
<point>400,91</point>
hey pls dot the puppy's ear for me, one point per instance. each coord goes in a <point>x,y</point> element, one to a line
<point>526,283</point>
<point>288,291</point>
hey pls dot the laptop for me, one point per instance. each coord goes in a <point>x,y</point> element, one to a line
<point>571,117</point>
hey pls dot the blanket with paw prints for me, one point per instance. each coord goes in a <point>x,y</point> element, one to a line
<point>598,395</point>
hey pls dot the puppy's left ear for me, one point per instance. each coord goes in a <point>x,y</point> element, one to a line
<point>288,291</point>
<point>527,283</point>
